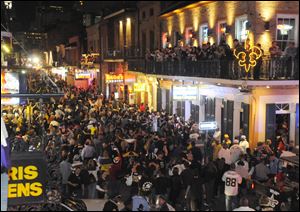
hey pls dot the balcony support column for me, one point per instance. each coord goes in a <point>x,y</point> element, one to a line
<point>236,118</point>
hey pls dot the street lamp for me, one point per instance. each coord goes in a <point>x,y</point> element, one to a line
<point>5,48</point>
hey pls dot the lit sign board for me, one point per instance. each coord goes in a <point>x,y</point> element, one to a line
<point>138,87</point>
<point>185,93</point>
<point>27,178</point>
<point>111,78</point>
<point>208,125</point>
<point>10,101</point>
<point>10,83</point>
<point>82,75</point>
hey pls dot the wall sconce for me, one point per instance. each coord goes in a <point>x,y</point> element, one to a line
<point>228,29</point>
<point>267,26</point>
<point>248,25</point>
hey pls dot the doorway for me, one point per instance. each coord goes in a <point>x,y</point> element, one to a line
<point>283,125</point>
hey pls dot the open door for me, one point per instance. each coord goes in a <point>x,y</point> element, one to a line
<point>270,121</point>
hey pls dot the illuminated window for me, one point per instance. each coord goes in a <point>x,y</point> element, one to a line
<point>164,39</point>
<point>240,28</point>
<point>287,29</point>
<point>188,35</point>
<point>221,29</point>
<point>203,34</point>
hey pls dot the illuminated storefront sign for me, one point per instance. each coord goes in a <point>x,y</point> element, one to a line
<point>82,75</point>
<point>185,93</point>
<point>112,78</point>
<point>27,178</point>
<point>208,125</point>
<point>89,59</point>
<point>10,83</point>
<point>139,87</point>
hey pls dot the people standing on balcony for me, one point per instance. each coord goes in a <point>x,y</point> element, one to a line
<point>289,54</point>
<point>237,47</point>
<point>257,68</point>
<point>275,54</point>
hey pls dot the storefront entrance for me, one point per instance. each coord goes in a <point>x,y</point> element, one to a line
<point>283,125</point>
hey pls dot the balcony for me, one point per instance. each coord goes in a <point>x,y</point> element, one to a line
<point>270,69</point>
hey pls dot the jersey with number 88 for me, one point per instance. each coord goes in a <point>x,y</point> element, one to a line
<point>231,179</point>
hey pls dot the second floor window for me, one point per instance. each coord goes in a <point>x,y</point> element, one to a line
<point>241,28</point>
<point>151,13</point>
<point>143,15</point>
<point>203,34</point>
<point>286,30</point>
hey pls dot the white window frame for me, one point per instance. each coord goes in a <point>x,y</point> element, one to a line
<point>290,16</point>
<point>218,28</point>
<point>237,26</point>
<point>186,33</point>
<point>201,32</point>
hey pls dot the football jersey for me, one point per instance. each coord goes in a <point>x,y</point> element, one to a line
<point>231,179</point>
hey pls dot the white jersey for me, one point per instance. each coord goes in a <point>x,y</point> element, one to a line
<point>243,171</point>
<point>231,179</point>
<point>225,153</point>
<point>235,152</point>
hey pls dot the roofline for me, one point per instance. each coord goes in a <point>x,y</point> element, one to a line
<point>190,6</point>
<point>114,14</point>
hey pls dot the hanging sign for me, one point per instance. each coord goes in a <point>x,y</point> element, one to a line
<point>185,93</point>
<point>27,178</point>
<point>208,125</point>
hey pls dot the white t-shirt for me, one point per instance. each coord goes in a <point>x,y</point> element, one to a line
<point>235,152</point>
<point>231,179</point>
<point>243,171</point>
<point>225,153</point>
<point>244,145</point>
<point>242,208</point>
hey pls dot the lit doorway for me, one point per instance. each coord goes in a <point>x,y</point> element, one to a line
<point>283,126</point>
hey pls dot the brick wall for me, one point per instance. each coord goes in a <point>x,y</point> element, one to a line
<point>210,13</point>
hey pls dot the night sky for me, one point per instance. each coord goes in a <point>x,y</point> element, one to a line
<point>25,10</point>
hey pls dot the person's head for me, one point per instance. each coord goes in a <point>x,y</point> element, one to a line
<point>232,167</point>
<point>77,170</point>
<point>235,42</point>
<point>244,202</point>
<point>258,45</point>
<point>274,43</point>
<point>268,142</point>
<point>175,171</point>
<point>226,137</point>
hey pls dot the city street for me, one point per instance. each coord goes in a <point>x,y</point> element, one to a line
<point>149,106</point>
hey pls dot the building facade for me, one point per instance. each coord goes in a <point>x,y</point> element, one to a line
<point>206,21</point>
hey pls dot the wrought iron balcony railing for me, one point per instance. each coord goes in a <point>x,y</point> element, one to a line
<point>266,69</point>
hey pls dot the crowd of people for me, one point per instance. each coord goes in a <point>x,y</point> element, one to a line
<point>152,159</point>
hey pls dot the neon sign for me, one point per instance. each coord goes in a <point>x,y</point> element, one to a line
<point>284,28</point>
<point>249,56</point>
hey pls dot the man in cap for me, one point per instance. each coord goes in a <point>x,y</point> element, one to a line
<point>227,140</point>
<point>244,144</point>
